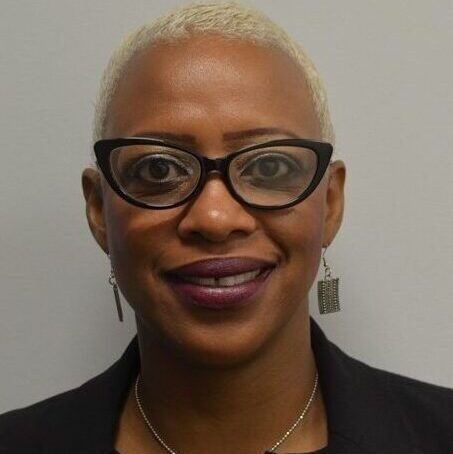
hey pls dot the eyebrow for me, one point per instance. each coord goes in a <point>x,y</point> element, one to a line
<point>258,132</point>
<point>228,136</point>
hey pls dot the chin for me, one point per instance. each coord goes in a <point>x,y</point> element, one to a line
<point>217,346</point>
<point>221,355</point>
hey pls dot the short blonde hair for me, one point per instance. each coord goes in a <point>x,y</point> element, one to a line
<point>229,19</point>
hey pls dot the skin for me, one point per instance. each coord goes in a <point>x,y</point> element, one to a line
<point>216,382</point>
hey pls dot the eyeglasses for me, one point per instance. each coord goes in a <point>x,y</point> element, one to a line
<point>158,174</point>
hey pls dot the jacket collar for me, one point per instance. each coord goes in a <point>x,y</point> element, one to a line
<point>362,413</point>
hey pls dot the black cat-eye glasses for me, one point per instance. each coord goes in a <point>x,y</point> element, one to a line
<point>158,174</point>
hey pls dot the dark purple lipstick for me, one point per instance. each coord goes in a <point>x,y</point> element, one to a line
<point>219,283</point>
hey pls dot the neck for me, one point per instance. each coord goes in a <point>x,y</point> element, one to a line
<point>245,408</point>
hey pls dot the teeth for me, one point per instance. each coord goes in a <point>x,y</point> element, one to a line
<point>227,281</point>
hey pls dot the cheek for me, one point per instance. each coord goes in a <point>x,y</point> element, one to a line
<point>124,234</point>
<point>136,239</point>
<point>299,233</point>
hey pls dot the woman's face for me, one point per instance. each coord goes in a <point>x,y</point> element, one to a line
<point>203,91</point>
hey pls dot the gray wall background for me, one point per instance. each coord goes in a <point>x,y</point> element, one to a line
<point>388,71</point>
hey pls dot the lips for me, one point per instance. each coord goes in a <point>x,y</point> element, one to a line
<point>225,283</point>
<point>221,267</point>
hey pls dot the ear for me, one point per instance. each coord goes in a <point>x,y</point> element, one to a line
<point>92,191</point>
<point>334,201</point>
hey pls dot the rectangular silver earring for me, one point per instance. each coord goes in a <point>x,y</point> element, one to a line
<point>328,297</point>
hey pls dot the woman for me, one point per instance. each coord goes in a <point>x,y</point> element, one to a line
<point>214,192</point>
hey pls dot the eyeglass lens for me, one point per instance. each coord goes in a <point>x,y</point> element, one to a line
<point>163,176</point>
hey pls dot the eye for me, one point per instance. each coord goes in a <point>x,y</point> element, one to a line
<point>269,167</point>
<point>160,169</point>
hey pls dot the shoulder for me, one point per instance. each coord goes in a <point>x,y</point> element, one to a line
<point>429,407</point>
<point>412,393</point>
<point>380,410</point>
<point>81,419</point>
<point>33,428</point>
<point>426,408</point>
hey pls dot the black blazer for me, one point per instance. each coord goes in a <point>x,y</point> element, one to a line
<point>369,410</point>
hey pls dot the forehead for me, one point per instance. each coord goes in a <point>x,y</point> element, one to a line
<point>215,77</point>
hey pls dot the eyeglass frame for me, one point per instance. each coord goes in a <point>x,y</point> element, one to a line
<point>104,147</point>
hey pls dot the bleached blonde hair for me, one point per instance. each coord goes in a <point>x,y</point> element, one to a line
<point>229,19</point>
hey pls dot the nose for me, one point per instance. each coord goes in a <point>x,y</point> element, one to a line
<point>215,215</point>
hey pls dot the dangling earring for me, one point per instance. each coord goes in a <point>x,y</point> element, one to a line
<point>328,299</point>
<point>112,282</point>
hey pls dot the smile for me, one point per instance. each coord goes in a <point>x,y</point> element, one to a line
<point>220,293</point>
<point>227,281</point>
